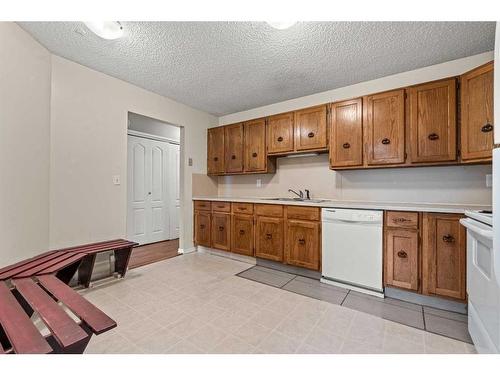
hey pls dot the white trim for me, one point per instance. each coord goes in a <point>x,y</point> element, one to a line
<point>186,251</point>
<point>352,287</point>
<point>225,254</point>
<point>139,134</point>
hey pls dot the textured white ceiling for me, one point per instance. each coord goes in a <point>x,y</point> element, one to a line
<point>226,67</point>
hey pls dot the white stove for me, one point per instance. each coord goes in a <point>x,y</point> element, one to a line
<point>485,217</point>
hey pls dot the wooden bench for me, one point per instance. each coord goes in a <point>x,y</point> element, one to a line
<point>45,295</point>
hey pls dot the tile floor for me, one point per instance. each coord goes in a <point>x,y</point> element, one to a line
<point>195,303</point>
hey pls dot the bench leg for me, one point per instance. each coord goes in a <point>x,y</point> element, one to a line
<point>85,270</point>
<point>66,274</point>
<point>77,348</point>
<point>122,258</point>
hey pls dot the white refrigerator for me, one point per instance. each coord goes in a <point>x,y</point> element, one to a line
<point>483,248</point>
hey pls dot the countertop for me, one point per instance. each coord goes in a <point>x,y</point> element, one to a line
<point>367,205</point>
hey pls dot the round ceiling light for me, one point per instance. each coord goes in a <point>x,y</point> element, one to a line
<point>106,29</point>
<point>282,25</point>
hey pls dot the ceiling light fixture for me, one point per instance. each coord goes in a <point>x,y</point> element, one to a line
<point>106,29</point>
<point>282,25</point>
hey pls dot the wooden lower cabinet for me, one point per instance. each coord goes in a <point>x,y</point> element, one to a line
<point>269,238</point>
<point>401,258</point>
<point>242,235</point>
<point>202,224</point>
<point>221,231</point>
<point>444,252</point>
<point>303,244</point>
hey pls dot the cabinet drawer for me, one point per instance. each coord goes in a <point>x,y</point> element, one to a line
<point>202,205</point>
<point>303,213</point>
<point>273,210</point>
<point>242,208</point>
<point>400,219</point>
<point>221,207</point>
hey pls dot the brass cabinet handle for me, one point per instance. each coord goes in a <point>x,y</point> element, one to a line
<point>346,145</point>
<point>280,139</point>
<point>202,226</point>
<point>242,208</point>
<point>302,241</point>
<point>386,141</point>
<point>433,136</point>
<point>310,135</point>
<point>233,157</point>
<point>487,128</point>
<point>402,254</point>
<point>216,158</point>
<point>242,232</point>
<point>221,228</point>
<point>269,236</point>
<point>400,220</point>
<point>254,155</point>
<point>448,238</point>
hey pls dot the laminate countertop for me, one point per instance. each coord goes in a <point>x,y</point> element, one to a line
<point>365,205</point>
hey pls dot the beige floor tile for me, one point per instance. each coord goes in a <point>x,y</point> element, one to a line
<point>207,337</point>
<point>267,318</point>
<point>184,347</point>
<point>113,344</point>
<point>252,333</point>
<point>206,312</point>
<point>167,316</point>
<point>158,342</point>
<point>368,329</point>
<point>140,329</point>
<point>403,332</point>
<point>436,344</point>
<point>296,327</point>
<point>396,345</point>
<point>358,347</point>
<point>277,343</point>
<point>324,340</point>
<point>233,345</point>
<point>186,326</point>
<point>308,349</point>
<point>230,321</point>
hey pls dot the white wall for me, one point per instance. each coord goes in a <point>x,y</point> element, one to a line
<point>24,145</point>
<point>89,145</point>
<point>455,184</point>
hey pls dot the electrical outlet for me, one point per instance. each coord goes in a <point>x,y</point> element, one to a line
<point>190,162</point>
<point>116,180</point>
<point>258,183</point>
<point>489,180</point>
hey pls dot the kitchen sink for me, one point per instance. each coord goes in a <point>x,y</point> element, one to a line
<point>297,200</point>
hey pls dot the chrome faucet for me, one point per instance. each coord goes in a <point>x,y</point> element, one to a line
<point>300,194</point>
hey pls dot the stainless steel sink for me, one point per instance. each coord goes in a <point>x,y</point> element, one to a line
<point>297,200</point>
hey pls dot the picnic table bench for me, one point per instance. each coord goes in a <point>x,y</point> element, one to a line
<point>39,286</point>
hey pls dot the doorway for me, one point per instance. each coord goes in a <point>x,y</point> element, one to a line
<point>153,187</point>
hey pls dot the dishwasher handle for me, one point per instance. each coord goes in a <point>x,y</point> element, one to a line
<point>350,221</point>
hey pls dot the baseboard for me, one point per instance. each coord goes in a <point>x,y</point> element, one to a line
<point>431,301</point>
<point>226,254</point>
<point>186,251</point>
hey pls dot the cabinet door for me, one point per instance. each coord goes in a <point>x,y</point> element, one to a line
<point>280,133</point>
<point>233,139</point>
<point>221,231</point>
<point>215,150</point>
<point>477,113</point>
<point>401,258</point>
<point>310,129</point>
<point>385,128</point>
<point>302,244</point>
<point>346,136</point>
<point>255,159</point>
<point>432,121</point>
<point>269,238</point>
<point>202,228</point>
<point>242,234</point>
<point>443,255</point>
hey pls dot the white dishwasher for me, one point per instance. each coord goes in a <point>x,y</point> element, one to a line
<point>352,249</point>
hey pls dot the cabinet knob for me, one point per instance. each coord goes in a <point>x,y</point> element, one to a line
<point>302,241</point>
<point>216,158</point>
<point>269,236</point>
<point>433,136</point>
<point>254,154</point>
<point>233,157</point>
<point>346,145</point>
<point>242,232</point>
<point>386,141</point>
<point>280,139</point>
<point>310,135</point>
<point>400,220</point>
<point>487,128</point>
<point>202,226</point>
<point>448,238</point>
<point>402,254</point>
<point>221,228</point>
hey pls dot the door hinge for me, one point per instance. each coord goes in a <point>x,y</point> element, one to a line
<point>405,95</point>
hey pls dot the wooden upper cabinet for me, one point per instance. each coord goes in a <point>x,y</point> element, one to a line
<point>385,128</point>
<point>233,148</point>
<point>401,258</point>
<point>477,113</point>
<point>255,159</point>
<point>443,251</point>
<point>303,244</point>
<point>280,133</point>
<point>432,121</point>
<point>311,129</point>
<point>346,135</point>
<point>215,150</point>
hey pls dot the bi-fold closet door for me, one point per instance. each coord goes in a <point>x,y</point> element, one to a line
<point>152,190</point>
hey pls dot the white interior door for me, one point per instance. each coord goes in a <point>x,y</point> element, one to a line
<point>148,195</point>
<point>174,185</point>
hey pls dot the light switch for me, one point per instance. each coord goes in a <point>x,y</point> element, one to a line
<point>116,179</point>
<point>489,181</point>
<point>258,183</point>
<point>190,162</point>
